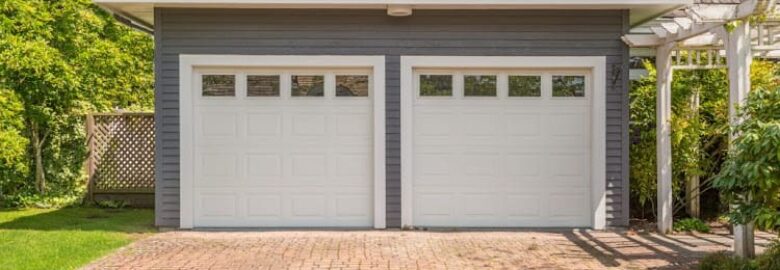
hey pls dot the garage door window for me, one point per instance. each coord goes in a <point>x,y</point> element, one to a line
<point>308,85</point>
<point>435,85</point>
<point>262,86</point>
<point>351,86</point>
<point>480,85</point>
<point>219,85</point>
<point>525,86</point>
<point>568,86</point>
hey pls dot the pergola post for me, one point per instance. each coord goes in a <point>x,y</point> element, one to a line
<point>739,58</point>
<point>664,73</point>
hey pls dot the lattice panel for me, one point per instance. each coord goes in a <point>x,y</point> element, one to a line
<point>121,152</point>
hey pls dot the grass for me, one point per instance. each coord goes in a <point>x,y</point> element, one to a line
<point>67,238</point>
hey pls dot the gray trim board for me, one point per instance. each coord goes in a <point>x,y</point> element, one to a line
<point>372,32</point>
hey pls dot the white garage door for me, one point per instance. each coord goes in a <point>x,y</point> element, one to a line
<point>282,148</point>
<point>501,148</point>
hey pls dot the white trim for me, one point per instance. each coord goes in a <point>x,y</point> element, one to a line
<point>186,136</point>
<point>542,3</point>
<point>142,11</point>
<point>597,65</point>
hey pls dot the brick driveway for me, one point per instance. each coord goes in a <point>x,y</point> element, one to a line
<point>537,249</point>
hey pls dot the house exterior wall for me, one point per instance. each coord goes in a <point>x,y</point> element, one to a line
<point>372,32</point>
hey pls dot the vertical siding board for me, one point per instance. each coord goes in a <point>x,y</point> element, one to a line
<point>160,216</point>
<point>626,179</point>
<point>371,32</point>
<point>393,130</point>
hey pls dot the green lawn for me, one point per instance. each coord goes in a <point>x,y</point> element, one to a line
<point>67,238</point>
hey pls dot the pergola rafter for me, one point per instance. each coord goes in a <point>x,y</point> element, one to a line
<point>699,40</point>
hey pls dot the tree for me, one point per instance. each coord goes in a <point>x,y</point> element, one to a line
<point>750,177</point>
<point>61,60</point>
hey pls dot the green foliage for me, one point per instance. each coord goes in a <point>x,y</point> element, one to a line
<point>60,60</point>
<point>691,225</point>
<point>725,261</point>
<point>750,178</point>
<point>699,133</point>
<point>112,204</point>
<point>13,144</point>
<point>770,259</point>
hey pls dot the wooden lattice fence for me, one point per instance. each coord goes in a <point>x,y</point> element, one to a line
<point>121,157</point>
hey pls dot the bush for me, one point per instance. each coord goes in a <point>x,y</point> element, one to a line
<point>725,261</point>
<point>691,225</point>
<point>770,259</point>
<point>112,204</point>
<point>750,177</point>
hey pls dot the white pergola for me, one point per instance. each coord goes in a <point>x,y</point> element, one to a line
<point>696,37</point>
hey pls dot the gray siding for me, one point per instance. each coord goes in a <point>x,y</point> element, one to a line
<point>371,32</point>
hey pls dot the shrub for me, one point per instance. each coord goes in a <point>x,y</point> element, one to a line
<point>691,225</point>
<point>112,204</point>
<point>725,261</point>
<point>770,259</point>
<point>750,177</point>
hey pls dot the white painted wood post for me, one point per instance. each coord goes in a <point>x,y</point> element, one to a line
<point>739,58</point>
<point>692,184</point>
<point>664,74</point>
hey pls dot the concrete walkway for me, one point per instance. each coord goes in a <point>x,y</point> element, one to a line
<point>532,249</point>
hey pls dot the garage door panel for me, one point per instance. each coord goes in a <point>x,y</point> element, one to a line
<point>264,169</point>
<point>264,124</point>
<point>568,165</point>
<point>218,164</point>
<point>218,205</point>
<point>308,165</point>
<point>353,205</point>
<point>566,124</point>
<point>309,205</point>
<point>522,164</point>
<point>352,168</point>
<point>488,125</point>
<point>351,124</point>
<point>526,124</point>
<point>480,204</point>
<point>524,205</point>
<point>431,205</point>
<point>480,164</point>
<point>307,125</point>
<point>264,205</point>
<point>435,124</point>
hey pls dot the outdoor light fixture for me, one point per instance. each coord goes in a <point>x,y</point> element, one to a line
<point>399,11</point>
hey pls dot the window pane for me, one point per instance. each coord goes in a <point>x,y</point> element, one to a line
<point>219,85</point>
<point>308,85</point>
<point>525,86</point>
<point>568,86</point>
<point>435,85</point>
<point>262,86</point>
<point>479,85</point>
<point>351,86</point>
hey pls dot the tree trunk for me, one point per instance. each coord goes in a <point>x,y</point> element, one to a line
<point>37,144</point>
<point>693,196</point>
<point>693,190</point>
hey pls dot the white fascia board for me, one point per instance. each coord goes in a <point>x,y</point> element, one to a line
<point>622,3</point>
<point>641,10</point>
